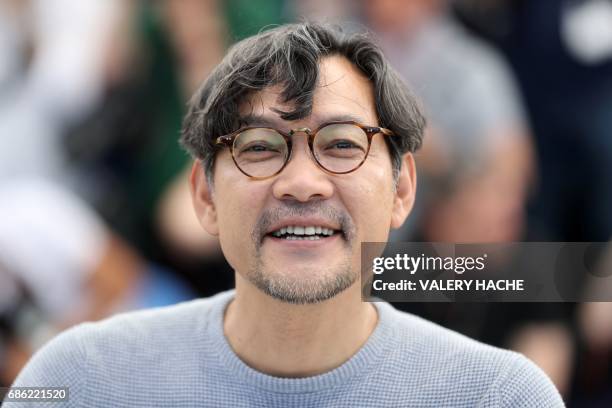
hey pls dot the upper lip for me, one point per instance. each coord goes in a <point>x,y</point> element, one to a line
<point>303,222</point>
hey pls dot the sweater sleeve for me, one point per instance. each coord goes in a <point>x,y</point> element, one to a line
<point>526,385</point>
<point>60,363</point>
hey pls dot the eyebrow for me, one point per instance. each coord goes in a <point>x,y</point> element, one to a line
<point>266,121</point>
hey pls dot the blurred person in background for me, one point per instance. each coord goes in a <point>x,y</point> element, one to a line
<point>477,165</point>
<point>53,67</point>
<point>57,61</point>
<point>561,51</point>
<point>60,265</point>
<point>593,379</point>
<point>52,72</point>
<point>127,148</point>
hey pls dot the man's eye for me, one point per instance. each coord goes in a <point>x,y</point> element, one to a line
<point>342,144</point>
<point>258,148</point>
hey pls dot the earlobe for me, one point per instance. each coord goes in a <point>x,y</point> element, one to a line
<point>201,196</point>
<point>406,190</point>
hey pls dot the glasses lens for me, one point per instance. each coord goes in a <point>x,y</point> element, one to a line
<point>260,152</point>
<point>340,148</point>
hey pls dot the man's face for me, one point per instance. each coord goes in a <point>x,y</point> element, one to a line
<point>357,206</point>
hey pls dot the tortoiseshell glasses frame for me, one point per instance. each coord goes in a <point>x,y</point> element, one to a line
<point>230,139</point>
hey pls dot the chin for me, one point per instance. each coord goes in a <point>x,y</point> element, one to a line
<point>306,286</point>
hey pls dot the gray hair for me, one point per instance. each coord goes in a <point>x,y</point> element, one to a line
<point>289,56</point>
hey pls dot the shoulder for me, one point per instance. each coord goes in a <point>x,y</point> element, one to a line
<point>121,347</point>
<point>58,364</point>
<point>157,330</point>
<point>431,344</point>
<point>141,325</point>
<point>143,331</point>
<point>461,366</point>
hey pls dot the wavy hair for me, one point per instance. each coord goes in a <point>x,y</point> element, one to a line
<point>289,56</point>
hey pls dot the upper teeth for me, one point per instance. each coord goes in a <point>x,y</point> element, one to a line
<point>299,230</point>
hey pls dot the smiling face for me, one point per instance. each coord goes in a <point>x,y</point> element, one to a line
<point>297,235</point>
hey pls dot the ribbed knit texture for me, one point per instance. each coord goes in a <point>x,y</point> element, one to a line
<point>177,356</point>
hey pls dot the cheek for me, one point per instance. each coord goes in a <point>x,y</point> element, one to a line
<point>369,199</point>
<point>240,204</point>
<point>230,235</point>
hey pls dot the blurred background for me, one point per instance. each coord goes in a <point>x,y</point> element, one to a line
<point>95,214</point>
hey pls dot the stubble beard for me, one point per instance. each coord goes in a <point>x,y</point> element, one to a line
<point>302,287</point>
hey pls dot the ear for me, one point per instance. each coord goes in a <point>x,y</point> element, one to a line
<point>201,196</point>
<point>406,190</point>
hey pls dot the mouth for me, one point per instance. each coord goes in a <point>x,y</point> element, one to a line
<point>303,233</point>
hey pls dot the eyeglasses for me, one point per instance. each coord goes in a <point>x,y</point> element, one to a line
<point>337,147</point>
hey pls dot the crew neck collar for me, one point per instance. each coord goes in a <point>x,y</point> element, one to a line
<point>371,353</point>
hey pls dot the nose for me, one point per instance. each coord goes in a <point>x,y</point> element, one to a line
<point>302,179</point>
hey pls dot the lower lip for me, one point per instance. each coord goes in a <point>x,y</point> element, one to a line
<point>305,243</point>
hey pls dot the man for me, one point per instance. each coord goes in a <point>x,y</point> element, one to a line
<point>303,138</point>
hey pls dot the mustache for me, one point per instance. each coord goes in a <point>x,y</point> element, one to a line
<point>299,209</point>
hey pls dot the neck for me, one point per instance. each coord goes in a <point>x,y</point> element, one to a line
<point>287,340</point>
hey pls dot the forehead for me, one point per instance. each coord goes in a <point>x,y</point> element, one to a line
<point>342,90</point>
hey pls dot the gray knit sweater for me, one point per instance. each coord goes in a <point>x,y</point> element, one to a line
<point>177,356</point>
